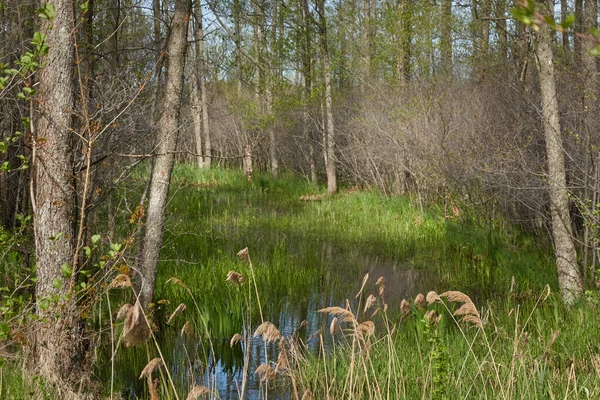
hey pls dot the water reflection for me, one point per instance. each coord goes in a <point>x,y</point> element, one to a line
<point>343,273</point>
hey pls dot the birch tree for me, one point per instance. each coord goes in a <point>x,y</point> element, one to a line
<point>168,130</point>
<point>329,150</point>
<point>566,257</point>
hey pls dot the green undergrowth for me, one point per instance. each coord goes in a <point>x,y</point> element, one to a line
<point>214,212</point>
<point>307,250</point>
<point>311,251</point>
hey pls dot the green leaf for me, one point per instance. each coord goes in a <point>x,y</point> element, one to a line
<point>4,330</point>
<point>44,304</point>
<point>57,283</point>
<point>595,52</point>
<point>85,6</point>
<point>38,39</point>
<point>569,21</point>
<point>115,247</point>
<point>88,251</point>
<point>95,239</point>
<point>66,270</point>
<point>47,11</point>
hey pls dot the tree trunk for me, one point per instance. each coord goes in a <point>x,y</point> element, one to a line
<point>202,130</point>
<point>577,45</point>
<point>566,257</point>
<point>446,39</point>
<point>270,65</point>
<point>565,36</point>
<point>329,150</point>
<point>589,71</point>
<point>481,37</point>
<point>305,40</point>
<point>168,130</point>
<point>60,347</point>
<point>500,28</point>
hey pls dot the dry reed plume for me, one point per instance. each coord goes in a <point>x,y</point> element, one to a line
<point>467,311</point>
<point>420,301</point>
<point>150,367</point>
<point>120,281</point>
<point>186,328</point>
<point>234,277</point>
<point>265,372</point>
<point>136,329</point>
<point>283,362</point>
<point>334,326</point>
<point>197,392</point>
<point>371,300</point>
<point>404,307</point>
<point>235,339</point>
<point>362,286</point>
<point>342,314</point>
<point>268,332</point>
<point>243,254</point>
<point>180,308</point>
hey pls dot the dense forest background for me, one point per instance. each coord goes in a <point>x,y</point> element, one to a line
<point>488,107</point>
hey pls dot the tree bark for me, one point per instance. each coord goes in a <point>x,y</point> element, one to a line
<point>577,45</point>
<point>307,67</point>
<point>565,36</point>
<point>330,165</point>
<point>500,8</point>
<point>566,257</point>
<point>271,66</point>
<point>60,347</point>
<point>168,130</point>
<point>589,70</point>
<point>202,129</point>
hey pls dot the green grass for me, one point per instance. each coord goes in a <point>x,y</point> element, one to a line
<point>513,356</point>
<point>313,254</point>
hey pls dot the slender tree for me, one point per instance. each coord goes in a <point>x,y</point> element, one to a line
<point>566,257</point>
<point>202,127</point>
<point>329,151</point>
<point>168,131</point>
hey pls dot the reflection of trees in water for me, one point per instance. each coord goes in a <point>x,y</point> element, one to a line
<point>342,272</point>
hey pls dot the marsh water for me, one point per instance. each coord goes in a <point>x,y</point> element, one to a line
<point>402,281</point>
